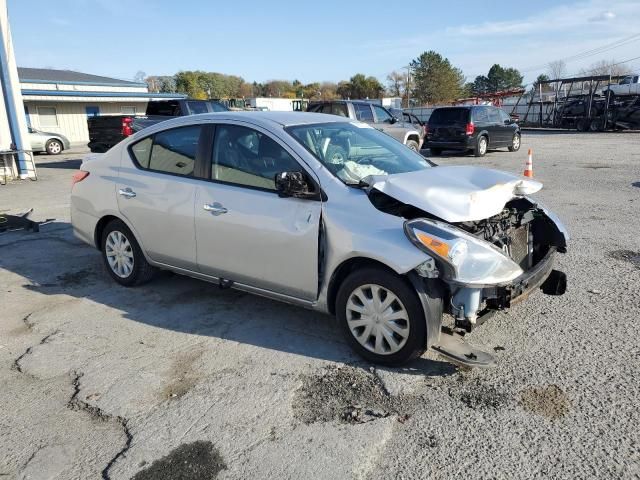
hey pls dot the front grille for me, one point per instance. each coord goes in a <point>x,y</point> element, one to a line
<point>519,247</point>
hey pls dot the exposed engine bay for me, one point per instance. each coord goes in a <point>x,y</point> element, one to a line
<point>522,231</point>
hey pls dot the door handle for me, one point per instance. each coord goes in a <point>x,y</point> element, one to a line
<point>215,209</point>
<point>127,192</point>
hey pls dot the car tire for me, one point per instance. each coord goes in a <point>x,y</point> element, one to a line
<point>481,146</point>
<point>582,125</point>
<point>53,147</point>
<point>413,145</point>
<point>596,125</point>
<point>123,257</point>
<point>435,151</point>
<point>515,142</point>
<point>402,321</point>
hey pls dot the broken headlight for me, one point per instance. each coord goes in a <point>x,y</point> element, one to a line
<point>465,259</point>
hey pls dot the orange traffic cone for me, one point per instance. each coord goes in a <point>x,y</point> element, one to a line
<point>528,167</point>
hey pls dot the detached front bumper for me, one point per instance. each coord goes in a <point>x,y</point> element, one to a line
<point>483,302</point>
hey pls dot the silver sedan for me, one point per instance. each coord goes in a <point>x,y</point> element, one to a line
<point>51,143</point>
<point>378,236</point>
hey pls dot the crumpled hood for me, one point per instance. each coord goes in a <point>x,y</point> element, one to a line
<point>456,193</point>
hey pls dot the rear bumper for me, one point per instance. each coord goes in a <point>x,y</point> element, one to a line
<point>463,144</point>
<point>84,225</point>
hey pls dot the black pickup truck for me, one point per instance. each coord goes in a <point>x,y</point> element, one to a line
<point>106,131</point>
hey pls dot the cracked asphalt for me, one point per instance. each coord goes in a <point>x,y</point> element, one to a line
<point>178,379</point>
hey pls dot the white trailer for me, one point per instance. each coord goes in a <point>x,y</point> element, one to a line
<point>272,104</point>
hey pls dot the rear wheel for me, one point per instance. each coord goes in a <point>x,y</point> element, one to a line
<point>481,146</point>
<point>582,125</point>
<point>413,145</point>
<point>381,316</point>
<point>123,256</point>
<point>53,147</point>
<point>515,143</point>
<point>596,125</point>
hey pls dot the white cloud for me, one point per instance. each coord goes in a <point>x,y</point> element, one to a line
<point>529,40</point>
<point>603,17</point>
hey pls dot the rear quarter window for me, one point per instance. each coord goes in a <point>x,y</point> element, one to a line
<point>142,151</point>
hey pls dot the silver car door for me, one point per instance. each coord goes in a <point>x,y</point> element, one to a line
<point>156,191</point>
<point>245,232</point>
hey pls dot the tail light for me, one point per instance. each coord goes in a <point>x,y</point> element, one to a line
<point>470,128</point>
<point>425,127</point>
<point>126,126</point>
<point>78,177</point>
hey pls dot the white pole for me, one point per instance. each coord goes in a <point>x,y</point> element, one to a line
<point>12,94</point>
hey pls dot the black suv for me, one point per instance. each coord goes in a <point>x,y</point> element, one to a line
<point>475,128</point>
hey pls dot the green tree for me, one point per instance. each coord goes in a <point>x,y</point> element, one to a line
<point>498,78</point>
<point>435,79</point>
<point>360,86</point>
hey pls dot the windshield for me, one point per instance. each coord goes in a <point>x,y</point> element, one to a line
<point>353,151</point>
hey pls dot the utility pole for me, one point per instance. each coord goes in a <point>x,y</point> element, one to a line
<point>408,67</point>
<point>12,96</point>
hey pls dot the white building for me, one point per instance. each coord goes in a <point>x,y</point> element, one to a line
<point>61,100</point>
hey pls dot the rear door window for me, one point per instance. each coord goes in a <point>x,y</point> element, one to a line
<point>363,112</point>
<point>449,116</point>
<point>339,109</point>
<point>494,115</point>
<point>480,115</point>
<point>171,151</point>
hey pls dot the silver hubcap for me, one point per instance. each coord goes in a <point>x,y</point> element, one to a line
<point>119,254</point>
<point>516,141</point>
<point>483,145</point>
<point>54,147</point>
<point>377,319</point>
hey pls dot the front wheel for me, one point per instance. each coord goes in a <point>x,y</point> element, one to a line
<point>381,317</point>
<point>435,151</point>
<point>123,256</point>
<point>515,143</point>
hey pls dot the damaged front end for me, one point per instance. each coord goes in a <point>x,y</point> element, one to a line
<point>490,264</point>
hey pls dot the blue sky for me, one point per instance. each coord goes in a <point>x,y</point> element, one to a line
<point>309,41</point>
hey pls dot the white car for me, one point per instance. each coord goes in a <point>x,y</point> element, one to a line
<point>627,86</point>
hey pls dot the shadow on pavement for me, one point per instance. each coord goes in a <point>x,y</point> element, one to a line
<point>70,164</point>
<point>53,262</point>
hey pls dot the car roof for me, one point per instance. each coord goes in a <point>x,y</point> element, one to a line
<point>258,118</point>
<point>367,102</point>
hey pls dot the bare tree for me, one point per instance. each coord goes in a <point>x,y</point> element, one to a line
<point>396,83</point>
<point>607,67</point>
<point>557,69</point>
<point>139,76</point>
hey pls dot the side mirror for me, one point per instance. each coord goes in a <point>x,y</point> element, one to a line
<point>293,184</point>
<point>393,120</point>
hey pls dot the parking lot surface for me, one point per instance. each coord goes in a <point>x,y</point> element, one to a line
<point>179,379</point>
